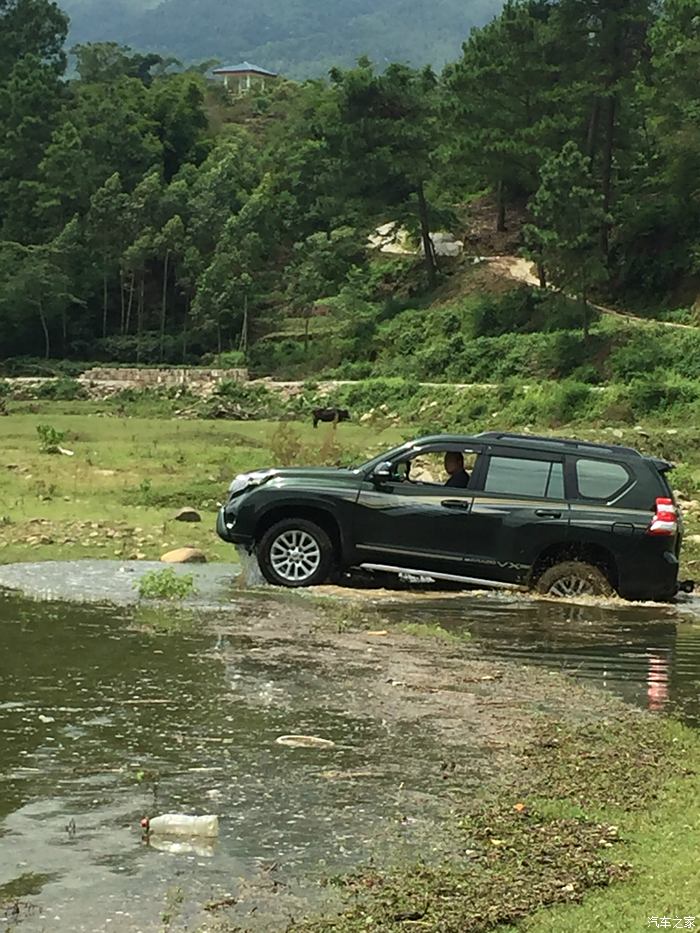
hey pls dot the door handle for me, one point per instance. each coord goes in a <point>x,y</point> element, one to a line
<point>546,513</point>
<point>462,504</point>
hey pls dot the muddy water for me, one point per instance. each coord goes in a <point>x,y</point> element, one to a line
<point>647,654</point>
<point>103,721</point>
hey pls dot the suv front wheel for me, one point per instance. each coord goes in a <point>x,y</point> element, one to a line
<point>573,578</point>
<point>295,553</point>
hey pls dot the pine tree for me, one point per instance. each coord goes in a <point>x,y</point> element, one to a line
<point>565,238</point>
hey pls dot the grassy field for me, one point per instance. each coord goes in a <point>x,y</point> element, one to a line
<point>135,466</point>
<point>118,494</point>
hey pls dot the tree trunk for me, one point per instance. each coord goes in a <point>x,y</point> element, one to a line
<point>428,249</point>
<point>500,208</point>
<point>608,153</point>
<point>243,345</point>
<point>163,308</point>
<point>64,332</point>
<point>584,314</point>
<point>45,328</point>
<point>542,274</point>
<point>185,326</point>
<point>139,317</point>
<point>592,136</point>
<point>129,307</point>
<point>104,300</point>
<point>122,303</point>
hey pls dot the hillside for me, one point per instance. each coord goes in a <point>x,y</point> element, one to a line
<point>301,38</point>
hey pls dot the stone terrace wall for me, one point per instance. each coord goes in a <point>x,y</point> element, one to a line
<point>147,378</point>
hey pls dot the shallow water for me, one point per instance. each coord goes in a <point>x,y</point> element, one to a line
<point>103,721</point>
<point>648,654</point>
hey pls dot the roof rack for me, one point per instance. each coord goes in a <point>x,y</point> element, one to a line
<point>563,441</point>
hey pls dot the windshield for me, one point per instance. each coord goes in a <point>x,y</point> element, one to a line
<point>387,455</point>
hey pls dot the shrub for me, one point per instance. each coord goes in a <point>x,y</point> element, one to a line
<point>231,359</point>
<point>49,438</point>
<point>166,584</point>
<point>63,389</point>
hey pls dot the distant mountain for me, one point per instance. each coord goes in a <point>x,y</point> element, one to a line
<point>299,38</point>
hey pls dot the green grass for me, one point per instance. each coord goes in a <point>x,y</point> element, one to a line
<point>135,465</point>
<point>117,496</point>
<point>596,832</point>
<point>660,845</point>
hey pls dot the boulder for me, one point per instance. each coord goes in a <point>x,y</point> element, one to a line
<point>188,515</point>
<point>692,539</point>
<point>184,555</point>
<point>445,244</point>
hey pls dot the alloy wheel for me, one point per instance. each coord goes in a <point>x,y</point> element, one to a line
<point>295,556</point>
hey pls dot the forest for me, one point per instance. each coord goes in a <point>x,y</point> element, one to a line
<point>146,216</point>
<point>302,39</point>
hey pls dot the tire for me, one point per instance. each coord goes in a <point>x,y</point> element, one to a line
<point>295,553</point>
<point>573,578</point>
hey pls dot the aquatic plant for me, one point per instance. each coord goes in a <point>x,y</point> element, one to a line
<point>166,584</point>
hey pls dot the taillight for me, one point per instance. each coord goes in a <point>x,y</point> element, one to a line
<point>665,521</point>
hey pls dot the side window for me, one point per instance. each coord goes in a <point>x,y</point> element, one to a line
<point>600,479</point>
<point>536,479</point>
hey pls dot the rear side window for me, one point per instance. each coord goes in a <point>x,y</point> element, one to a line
<point>600,479</point>
<point>536,479</point>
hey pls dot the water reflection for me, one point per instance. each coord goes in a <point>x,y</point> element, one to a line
<point>102,723</point>
<point>649,654</point>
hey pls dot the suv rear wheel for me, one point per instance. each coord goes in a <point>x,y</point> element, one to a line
<point>573,578</point>
<point>295,553</point>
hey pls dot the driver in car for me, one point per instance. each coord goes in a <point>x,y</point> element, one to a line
<point>454,467</point>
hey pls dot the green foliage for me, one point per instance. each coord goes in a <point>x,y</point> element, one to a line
<point>50,438</point>
<point>147,217</point>
<point>63,389</point>
<point>166,584</point>
<point>565,239</point>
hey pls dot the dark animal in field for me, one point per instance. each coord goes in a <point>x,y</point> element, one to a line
<point>328,415</point>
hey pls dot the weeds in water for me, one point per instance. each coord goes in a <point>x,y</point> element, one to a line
<point>151,779</point>
<point>174,900</point>
<point>424,630</point>
<point>164,619</point>
<point>166,584</point>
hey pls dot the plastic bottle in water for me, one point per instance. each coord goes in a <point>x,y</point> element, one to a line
<point>180,824</point>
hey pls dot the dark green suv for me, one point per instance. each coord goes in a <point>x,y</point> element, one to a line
<point>563,517</point>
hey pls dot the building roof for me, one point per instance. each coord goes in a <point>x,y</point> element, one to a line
<point>244,68</point>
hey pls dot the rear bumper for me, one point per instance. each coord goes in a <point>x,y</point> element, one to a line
<point>649,576</point>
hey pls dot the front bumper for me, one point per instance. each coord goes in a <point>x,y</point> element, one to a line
<point>227,531</point>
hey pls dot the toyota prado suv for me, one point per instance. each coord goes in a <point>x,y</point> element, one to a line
<point>562,517</point>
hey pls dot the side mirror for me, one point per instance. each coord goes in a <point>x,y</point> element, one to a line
<point>382,472</point>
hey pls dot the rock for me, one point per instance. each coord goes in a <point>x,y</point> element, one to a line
<point>304,741</point>
<point>692,539</point>
<point>184,555</point>
<point>365,418</point>
<point>188,515</point>
<point>445,244</point>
